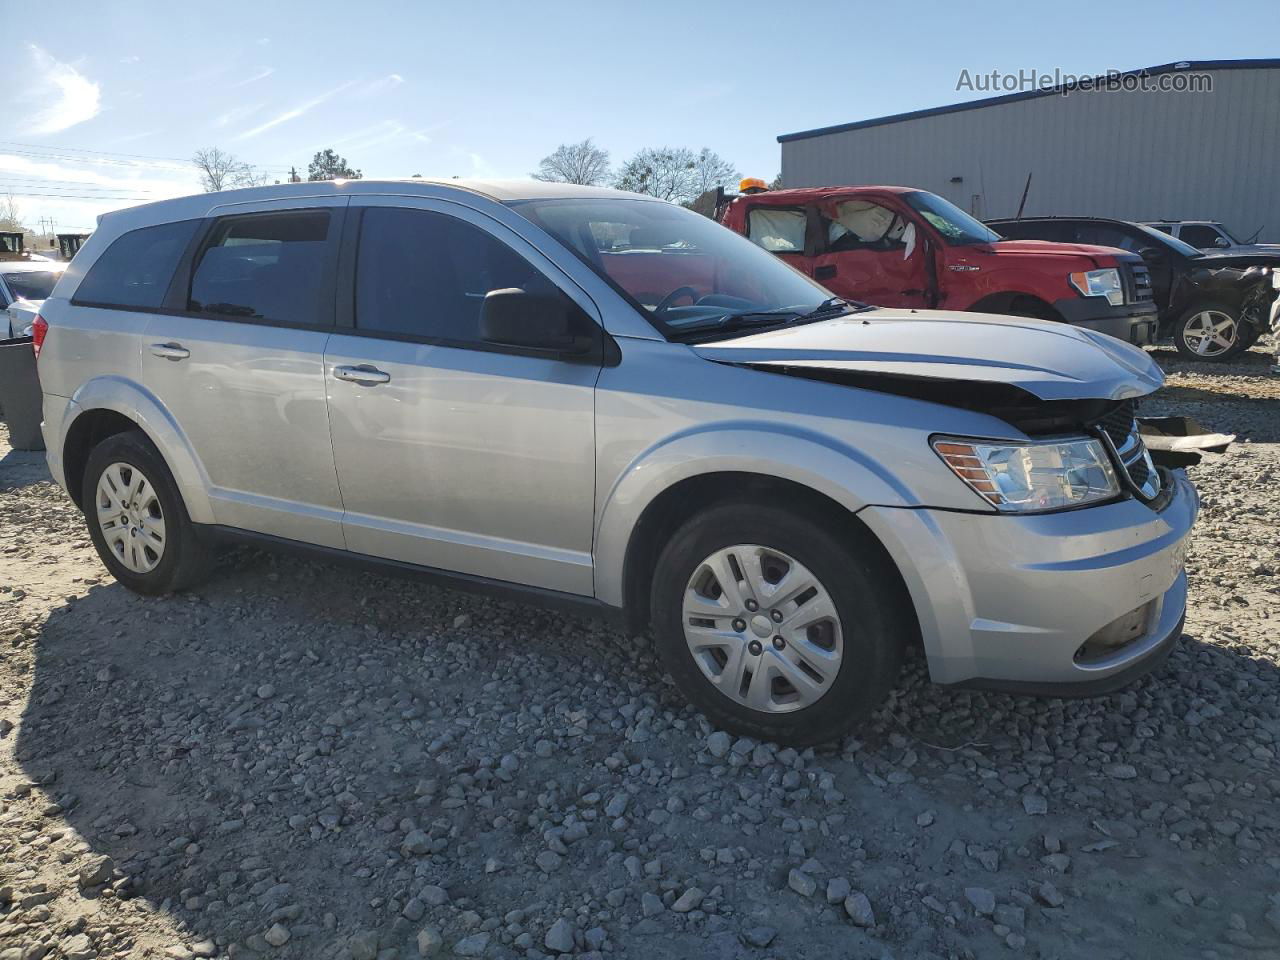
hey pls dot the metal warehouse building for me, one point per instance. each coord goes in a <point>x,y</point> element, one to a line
<point>1131,154</point>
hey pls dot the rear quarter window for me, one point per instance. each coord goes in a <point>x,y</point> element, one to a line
<point>135,271</point>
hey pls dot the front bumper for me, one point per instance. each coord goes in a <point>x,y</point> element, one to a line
<point>1009,601</point>
<point>1131,322</point>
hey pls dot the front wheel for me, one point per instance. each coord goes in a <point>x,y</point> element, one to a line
<point>1210,331</point>
<point>137,520</point>
<point>775,628</point>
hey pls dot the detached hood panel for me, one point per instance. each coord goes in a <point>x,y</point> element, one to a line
<point>1051,361</point>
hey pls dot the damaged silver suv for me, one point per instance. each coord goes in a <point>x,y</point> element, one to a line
<point>596,398</point>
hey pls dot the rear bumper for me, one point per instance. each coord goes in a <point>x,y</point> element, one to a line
<point>1131,322</point>
<point>1009,602</point>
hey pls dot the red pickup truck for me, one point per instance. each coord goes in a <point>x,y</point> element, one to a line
<point>902,247</point>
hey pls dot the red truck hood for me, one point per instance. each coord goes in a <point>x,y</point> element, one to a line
<point>1052,248</point>
<point>1052,361</point>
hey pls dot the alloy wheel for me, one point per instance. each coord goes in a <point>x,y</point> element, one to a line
<point>130,517</point>
<point>762,628</point>
<point>1210,333</point>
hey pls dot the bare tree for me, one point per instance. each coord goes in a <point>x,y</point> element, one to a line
<point>583,163</point>
<point>220,170</point>
<point>664,172</point>
<point>711,170</point>
<point>10,214</point>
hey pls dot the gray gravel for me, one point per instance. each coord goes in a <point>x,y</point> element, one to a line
<point>296,761</point>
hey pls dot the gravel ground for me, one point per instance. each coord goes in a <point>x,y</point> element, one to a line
<point>297,761</point>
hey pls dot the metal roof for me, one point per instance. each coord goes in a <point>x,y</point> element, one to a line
<point>1178,66</point>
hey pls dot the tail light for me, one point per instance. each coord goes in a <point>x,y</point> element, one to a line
<point>39,329</point>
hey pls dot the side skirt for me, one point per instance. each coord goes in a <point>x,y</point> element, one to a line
<point>470,583</point>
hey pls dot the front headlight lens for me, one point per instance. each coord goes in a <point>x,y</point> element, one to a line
<point>1025,477</point>
<point>1100,283</point>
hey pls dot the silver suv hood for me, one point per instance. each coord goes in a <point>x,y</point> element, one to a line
<point>1051,361</point>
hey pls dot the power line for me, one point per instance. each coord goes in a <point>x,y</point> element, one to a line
<point>68,185</point>
<point>78,196</point>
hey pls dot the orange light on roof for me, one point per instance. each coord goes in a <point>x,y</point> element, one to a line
<point>751,183</point>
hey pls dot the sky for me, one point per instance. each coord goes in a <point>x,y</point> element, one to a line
<point>104,103</point>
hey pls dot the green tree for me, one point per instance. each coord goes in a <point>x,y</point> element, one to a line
<point>327,165</point>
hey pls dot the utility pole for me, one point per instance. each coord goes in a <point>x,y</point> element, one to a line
<point>294,176</point>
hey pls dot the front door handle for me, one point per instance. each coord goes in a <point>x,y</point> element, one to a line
<point>363,374</point>
<point>170,351</point>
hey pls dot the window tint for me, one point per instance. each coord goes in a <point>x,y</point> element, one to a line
<point>426,274</point>
<point>777,230</point>
<point>136,269</point>
<point>31,285</point>
<point>1199,235</point>
<point>267,267</point>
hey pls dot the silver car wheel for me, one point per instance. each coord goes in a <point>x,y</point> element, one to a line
<point>1210,333</point>
<point>762,629</point>
<point>130,517</point>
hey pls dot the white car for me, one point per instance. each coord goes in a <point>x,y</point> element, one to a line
<point>24,285</point>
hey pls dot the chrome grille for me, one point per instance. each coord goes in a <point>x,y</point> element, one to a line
<point>1122,430</point>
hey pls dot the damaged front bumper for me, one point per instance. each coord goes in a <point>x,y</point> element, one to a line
<point>1071,603</point>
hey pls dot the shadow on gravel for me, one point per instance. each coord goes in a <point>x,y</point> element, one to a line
<point>298,744</point>
<point>19,468</point>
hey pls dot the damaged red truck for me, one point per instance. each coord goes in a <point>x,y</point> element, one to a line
<point>902,247</point>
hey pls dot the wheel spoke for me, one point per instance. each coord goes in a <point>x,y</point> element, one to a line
<point>751,621</point>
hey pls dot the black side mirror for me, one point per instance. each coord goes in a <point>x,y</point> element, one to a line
<point>1153,254</point>
<point>550,323</point>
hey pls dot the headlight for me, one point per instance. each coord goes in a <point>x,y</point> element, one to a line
<point>1100,283</point>
<point>1026,477</point>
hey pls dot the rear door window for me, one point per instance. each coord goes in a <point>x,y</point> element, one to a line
<point>777,229</point>
<point>265,268</point>
<point>1199,235</point>
<point>136,270</point>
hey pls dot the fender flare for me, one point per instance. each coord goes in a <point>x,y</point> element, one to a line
<point>813,460</point>
<point>128,399</point>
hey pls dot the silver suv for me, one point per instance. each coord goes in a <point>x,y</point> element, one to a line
<point>595,397</point>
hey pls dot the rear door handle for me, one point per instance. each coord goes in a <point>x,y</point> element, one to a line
<point>363,374</point>
<point>170,351</point>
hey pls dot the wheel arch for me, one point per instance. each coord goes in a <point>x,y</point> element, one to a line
<point>1010,302</point>
<point>102,408</point>
<point>662,490</point>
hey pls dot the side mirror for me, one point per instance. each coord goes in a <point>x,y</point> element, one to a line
<point>550,323</point>
<point>1151,254</point>
<point>1221,243</point>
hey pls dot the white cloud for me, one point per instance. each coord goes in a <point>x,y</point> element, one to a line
<point>292,114</point>
<point>133,59</point>
<point>379,133</point>
<point>237,113</point>
<point>260,75</point>
<point>79,98</point>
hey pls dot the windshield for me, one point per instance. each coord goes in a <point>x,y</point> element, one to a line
<point>32,285</point>
<point>688,274</point>
<point>1165,240</point>
<point>956,226</point>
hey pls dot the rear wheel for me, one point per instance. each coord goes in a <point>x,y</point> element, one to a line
<point>774,627</point>
<point>1210,331</point>
<point>137,520</point>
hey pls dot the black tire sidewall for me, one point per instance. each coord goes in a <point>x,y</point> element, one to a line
<point>867,600</point>
<point>1181,326</point>
<point>134,449</point>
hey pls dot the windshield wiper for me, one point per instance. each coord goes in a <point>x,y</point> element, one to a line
<point>746,319</point>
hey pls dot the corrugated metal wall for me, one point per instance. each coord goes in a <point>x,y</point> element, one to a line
<point>1134,156</point>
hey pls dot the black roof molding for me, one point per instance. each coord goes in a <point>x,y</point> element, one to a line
<point>1178,66</point>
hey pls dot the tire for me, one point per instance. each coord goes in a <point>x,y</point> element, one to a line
<point>1192,332</point>
<point>148,503</point>
<point>850,570</point>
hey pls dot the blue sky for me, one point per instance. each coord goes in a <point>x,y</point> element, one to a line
<point>111,98</point>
